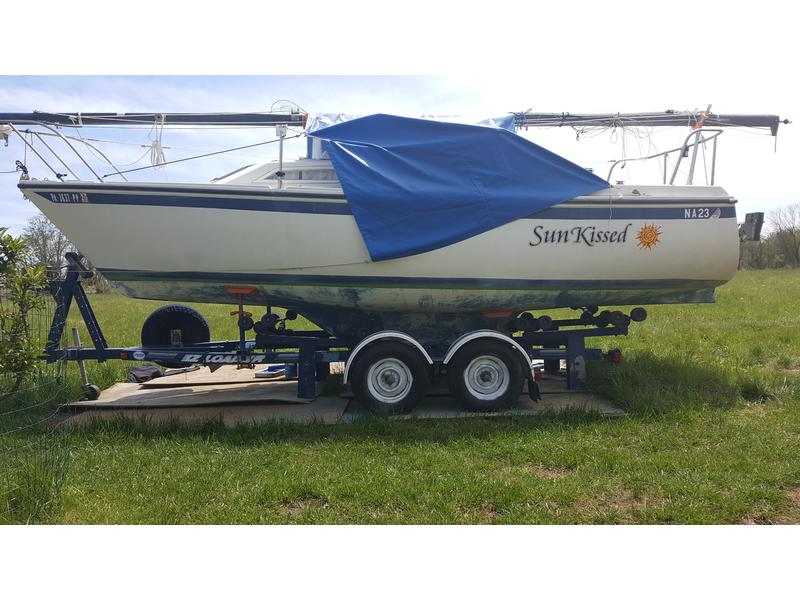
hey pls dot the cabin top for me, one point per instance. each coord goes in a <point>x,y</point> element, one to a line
<point>299,174</point>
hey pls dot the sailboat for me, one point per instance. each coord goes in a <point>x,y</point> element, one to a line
<point>415,242</point>
<point>409,223</point>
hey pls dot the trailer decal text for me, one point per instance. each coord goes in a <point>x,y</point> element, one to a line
<point>221,358</point>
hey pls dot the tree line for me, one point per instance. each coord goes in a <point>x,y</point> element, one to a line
<point>779,248</point>
<point>45,246</point>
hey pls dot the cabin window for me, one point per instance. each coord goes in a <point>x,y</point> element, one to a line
<point>290,175</point>
<point>306,175</point>
<point>320,174</point>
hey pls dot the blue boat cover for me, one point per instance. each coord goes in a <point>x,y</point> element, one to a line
<point>318,149</point>
<point>415,185</point>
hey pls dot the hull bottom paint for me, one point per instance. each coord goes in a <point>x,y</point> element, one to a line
<point>426,313</point>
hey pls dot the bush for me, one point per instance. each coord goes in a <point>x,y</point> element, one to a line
<point>21,286</point>
<point>34,454</point>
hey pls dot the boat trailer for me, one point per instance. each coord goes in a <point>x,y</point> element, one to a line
<point>313,351</point>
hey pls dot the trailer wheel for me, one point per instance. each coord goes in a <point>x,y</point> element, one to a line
<point>389,377</point>
<point>486,375</point>
<point>91,391</point>
<point>157,329</point>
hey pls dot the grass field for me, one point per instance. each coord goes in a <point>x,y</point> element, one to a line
<point>712,436</point>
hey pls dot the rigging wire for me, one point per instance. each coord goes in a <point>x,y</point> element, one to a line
<point>205,155</point>
<point>171,147</point>
<point>623,130</point>
<point>138,160</point>
<point>155,148</point>
<point>156,154</point>
<point>86,145</point>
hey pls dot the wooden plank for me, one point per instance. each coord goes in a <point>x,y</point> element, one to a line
<point>264,401</point>
<point>326,409</point>
<point>129,395</point>
<point>439,404</point>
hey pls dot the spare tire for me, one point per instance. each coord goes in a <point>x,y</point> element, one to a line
<point>157,329</point>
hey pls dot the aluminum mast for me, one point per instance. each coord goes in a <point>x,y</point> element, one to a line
<point>668,118</point>
<point>102,118</point>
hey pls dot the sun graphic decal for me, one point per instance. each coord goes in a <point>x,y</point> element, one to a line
<point>648,236</point>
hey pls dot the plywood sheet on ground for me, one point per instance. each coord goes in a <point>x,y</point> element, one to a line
<point>327,410</point>
<point>277,401</point>
<point>439,404</point>
<point>134,395</point>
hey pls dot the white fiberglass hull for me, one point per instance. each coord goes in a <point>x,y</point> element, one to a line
<point>622,246</point>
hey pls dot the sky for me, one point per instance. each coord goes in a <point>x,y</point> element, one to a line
<point>598,60</point>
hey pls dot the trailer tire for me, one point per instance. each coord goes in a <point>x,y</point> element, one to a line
<point>389,377</point>
<point>91,391</point>
<point>486,375</point>
<point>192,325</point>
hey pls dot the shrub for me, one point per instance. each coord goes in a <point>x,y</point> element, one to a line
<point>20,286</point>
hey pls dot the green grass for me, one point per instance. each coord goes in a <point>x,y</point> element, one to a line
<point>694,467</point>
<point>744,347</point>
<point>34,456</point>
<point>712,436</point>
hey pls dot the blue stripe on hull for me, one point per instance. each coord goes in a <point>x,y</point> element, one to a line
<point>266,204</point>
<point>130,189</point>
<point>627,214</point>
<point>269,204</point>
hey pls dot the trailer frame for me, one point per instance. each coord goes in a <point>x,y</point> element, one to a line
<point>311,351</point>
